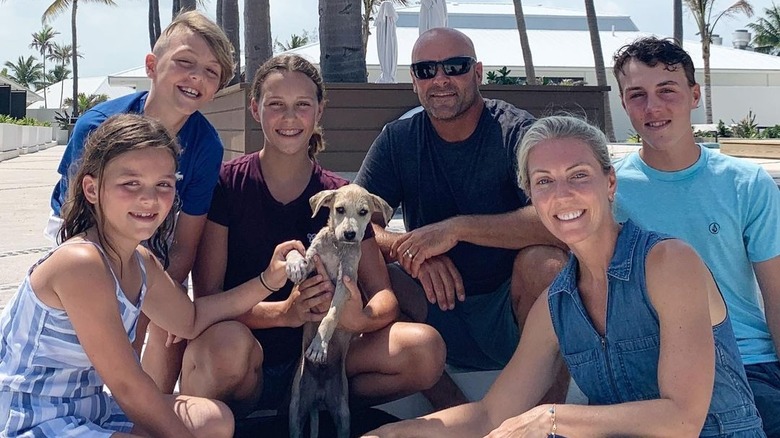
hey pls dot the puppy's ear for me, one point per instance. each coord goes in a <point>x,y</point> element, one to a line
<point>378,205</point>
<point>321,199</point>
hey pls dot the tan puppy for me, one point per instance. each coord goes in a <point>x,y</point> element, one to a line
<point>321,380</point>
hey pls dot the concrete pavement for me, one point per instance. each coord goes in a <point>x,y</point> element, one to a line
<point>26,183</point>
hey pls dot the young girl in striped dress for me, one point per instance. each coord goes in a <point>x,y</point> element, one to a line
<point>68,329</point>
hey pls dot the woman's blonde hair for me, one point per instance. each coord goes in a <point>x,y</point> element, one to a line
<point>554,127</point>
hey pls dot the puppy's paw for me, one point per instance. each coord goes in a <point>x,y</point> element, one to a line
<point>297,267</point>
<point>317,351</point>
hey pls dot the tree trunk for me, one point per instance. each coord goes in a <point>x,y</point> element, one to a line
<point>528,62</point>
<point>598,59</point>
<point>705,54</point>
<point>257,35</point>
<point>154,22</point>
<point>75,59</point>
<point>45,83</point>
<point>62,86</point>
<point>188,5</point>
<point>341,45</point>
<point>678,22</point>
<point>365,24</point>
<point>219,13</point>
<point>231,26</point>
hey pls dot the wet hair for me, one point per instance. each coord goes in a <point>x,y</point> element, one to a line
<point>560,127</point>
<point>650,51</point>
<point>118,135</point>
<point>215,38</point>
<point>291,62</point>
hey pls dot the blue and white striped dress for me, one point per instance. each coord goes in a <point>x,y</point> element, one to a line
<point>48,386</point>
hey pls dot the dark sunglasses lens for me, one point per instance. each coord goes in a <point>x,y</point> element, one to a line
<point>456,66</point>
<point>424,69</point>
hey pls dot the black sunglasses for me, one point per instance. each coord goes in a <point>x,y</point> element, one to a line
<point>455,66</point>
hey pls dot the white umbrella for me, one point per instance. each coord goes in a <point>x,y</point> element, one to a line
<point>387,41</point>
<point>433,13</point>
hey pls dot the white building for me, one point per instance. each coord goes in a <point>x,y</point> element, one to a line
<point>560,43</point>
<point>57,93</point>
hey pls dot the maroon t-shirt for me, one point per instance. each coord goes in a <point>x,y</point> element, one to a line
<point>256,224</point>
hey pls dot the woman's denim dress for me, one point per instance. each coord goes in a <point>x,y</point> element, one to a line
<point>622,365</point>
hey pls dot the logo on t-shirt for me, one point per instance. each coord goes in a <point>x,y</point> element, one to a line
<point>714,228</point>
<point>179,176</point>
<point>311,237</point>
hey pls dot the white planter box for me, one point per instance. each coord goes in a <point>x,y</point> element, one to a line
<point>43,135</point>
<point>29,136</point>
<point>61,136</point>
<point>10,137</point>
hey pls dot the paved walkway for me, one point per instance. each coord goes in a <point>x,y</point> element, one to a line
<point>26,183</point>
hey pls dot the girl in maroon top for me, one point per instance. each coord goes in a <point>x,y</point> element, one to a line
<point>263,199</point>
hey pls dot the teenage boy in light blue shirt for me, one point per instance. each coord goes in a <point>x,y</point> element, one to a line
<point>728,209</point>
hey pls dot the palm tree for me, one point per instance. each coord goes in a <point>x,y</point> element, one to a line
<point>86,102</point>
<point>706,20</point>
<point>341,43</point>
<point>598,59</point>
<point>62,54</point>
<point>767,31</point>
<point>528,61</point>
<point>55,9</point>
<point>294,42</point>
<point>258,45</point>
<point>678,22</point>
<point>154,22</point>
<point>231,26</point>
<point>183,5</point>
<point>27,72</point>
<point>57,74</point>
<point>42,41</point>
<point>369,10</point>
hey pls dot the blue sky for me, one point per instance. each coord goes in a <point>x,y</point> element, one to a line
<point>115,38</point>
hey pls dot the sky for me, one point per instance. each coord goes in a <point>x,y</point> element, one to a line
<point>113,39</point>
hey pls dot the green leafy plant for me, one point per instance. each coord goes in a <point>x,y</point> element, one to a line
<point>501,77</point>
<point>746,127</point>
<point>27,121</point>
<point>770,132</point>
<point>723,130</point>
<point>7,119</point>
<point>634,137</point>
<point>62,119</point>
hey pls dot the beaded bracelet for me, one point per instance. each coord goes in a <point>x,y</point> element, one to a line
<point>554,426</point>
<point>265,285</point>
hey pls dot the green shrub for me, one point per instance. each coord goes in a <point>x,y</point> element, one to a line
<point>771,132</point>
<point>747,127</point>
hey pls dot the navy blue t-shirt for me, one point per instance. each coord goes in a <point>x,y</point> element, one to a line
<point>198,163</point>
<point>411,165</point>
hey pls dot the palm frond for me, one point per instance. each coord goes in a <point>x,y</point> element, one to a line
<point>55,9</point>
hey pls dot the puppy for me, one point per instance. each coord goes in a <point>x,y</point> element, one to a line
<point>321,380</point>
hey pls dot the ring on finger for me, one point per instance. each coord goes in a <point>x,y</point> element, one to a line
<point>408,253</point>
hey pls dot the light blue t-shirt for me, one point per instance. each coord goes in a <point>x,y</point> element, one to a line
<point>728,209</point>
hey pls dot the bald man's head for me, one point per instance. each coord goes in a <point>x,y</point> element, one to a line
<point>443,37</point>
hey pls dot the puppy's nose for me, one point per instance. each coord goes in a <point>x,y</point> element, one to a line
<point>349,235</point>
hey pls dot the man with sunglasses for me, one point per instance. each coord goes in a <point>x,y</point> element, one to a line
<point>475,256</point>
